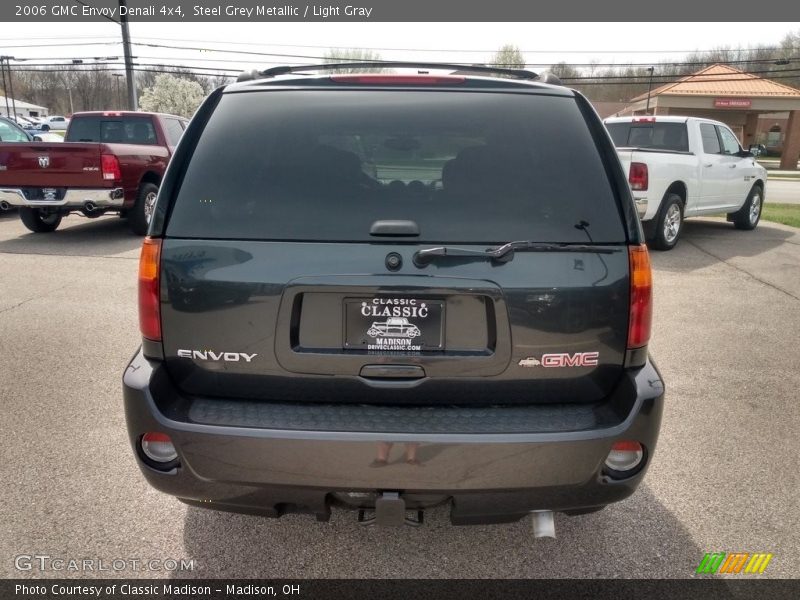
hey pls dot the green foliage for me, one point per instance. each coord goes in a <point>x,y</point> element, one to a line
<point>173,95</point>
<point>353,55</point>
<point>508,56</point>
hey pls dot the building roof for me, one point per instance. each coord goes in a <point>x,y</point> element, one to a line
<point>722,80</point>
<point>20,104</point>
<point>606,109</point>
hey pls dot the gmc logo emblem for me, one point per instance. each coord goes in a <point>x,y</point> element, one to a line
<point>579,359</point>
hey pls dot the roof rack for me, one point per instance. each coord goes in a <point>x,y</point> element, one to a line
<point>283,70</point>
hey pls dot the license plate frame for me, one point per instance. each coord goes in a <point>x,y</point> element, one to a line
<point>394,324</point>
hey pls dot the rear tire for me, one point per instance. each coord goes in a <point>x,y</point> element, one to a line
<point>668,223</point>
<point>749,215</point>
<point>142,212</point>
<point>38,221</point>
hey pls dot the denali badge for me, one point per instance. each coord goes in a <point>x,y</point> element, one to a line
<point>44,161</point>
<point>216,356</point>
<point>563,359</point>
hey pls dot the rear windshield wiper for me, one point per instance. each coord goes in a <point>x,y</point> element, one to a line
<point>505,252</point>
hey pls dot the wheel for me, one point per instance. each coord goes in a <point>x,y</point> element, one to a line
<point>39,220</point>
<point>749,215</point>
<point>45,127</point>
<point>668,223</point>
<point>142,212</point>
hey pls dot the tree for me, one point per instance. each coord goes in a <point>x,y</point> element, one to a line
<point>353,55</point>
<point>508,57</point>
<point>172,95</point>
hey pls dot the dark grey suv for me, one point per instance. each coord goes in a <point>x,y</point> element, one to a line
<point>387,292</point>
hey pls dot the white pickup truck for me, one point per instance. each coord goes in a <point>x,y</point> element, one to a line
<point>685,167</point>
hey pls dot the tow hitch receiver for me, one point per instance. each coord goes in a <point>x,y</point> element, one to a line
<point>390,511</point>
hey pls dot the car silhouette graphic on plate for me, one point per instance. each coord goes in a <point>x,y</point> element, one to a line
<point>394,327</point>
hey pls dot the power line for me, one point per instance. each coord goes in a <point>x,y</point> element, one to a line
<point>705,77</point>
<point>764,61</point>
<point>472,50</point>
<point>171,69</point>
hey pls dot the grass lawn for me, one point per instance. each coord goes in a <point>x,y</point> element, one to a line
<point>788,214</point>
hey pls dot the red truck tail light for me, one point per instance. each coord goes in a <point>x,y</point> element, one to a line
<point>377,79</point>
<point>641,311</point>
<point>149,300</point>
<point>638,176</point>
<point>109,164</point>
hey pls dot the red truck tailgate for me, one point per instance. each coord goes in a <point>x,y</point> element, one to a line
<point>52,165</point>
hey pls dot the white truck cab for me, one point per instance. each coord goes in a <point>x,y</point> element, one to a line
<point>682,167</point>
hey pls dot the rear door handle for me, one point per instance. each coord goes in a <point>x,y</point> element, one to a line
<point>731,166</point>
<point>709,165</point>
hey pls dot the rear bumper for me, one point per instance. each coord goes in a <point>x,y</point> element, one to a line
<point>77,198</point>
<point>493,464</point>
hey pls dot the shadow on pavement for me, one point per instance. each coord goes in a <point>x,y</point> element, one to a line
<point>635,538</point>
<point>717,240</point>
<point>77,236</point>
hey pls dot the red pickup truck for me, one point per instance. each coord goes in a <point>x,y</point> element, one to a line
<point>109,162</point>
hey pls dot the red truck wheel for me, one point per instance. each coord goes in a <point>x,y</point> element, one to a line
<point>141,213</point>
<point>39,221</point>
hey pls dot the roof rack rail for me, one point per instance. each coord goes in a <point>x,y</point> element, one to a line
<point>283,70</point>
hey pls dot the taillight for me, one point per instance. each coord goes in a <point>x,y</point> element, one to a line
<point>644,120</point>
<point>109,165</point>
<point>641,314</point>
<point>149,305</point>
<point>377,79</point>
<point>638,177</point>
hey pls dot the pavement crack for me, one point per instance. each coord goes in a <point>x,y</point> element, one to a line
<point>741,270</point>
<point>47,293</point>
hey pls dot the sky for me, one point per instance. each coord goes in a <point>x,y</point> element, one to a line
<point>541,43</point>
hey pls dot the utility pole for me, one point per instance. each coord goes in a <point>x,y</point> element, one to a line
<point>649,87</point>
<point>71,109</point>
<point>117,76</point>
<point>10,89</point>
<point>5,88</point>
<point>126,47</point>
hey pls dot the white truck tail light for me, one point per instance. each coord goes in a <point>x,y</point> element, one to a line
<point>638,176</point>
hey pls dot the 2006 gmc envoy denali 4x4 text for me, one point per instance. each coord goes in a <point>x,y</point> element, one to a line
<point>387,292</point>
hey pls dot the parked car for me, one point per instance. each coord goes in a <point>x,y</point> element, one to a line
<point>281,400</point>
<point>54,122</point>
<point>109,162</point>
<point>682,167</point>
<point>11,131</point>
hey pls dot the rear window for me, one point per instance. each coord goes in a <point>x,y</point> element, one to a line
<point>465,166</point>
<point>112,130</point>
<point>658,136</point>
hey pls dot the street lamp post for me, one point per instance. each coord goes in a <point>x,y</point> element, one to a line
<point>649,87</point>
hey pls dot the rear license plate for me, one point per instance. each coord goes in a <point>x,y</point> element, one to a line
<point>393,324</point>
<point>49,194</point>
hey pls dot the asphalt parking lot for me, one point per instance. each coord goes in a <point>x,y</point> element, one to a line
<point>725,475</point>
